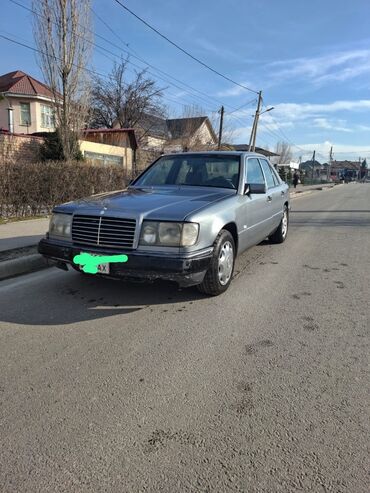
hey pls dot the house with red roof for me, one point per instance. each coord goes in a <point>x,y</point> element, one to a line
<point>26,104</point>
<point>26,109</point>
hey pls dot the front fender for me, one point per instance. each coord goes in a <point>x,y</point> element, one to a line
<point>213,219</point>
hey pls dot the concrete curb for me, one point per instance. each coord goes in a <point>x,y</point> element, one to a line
<point>296,195</point>
<point>22,265</point>
<point>321,188</point>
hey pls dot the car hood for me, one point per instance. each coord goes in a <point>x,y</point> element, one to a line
<point>169,203</point>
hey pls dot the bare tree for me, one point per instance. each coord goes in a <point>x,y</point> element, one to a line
<point>285,153</point>
<point>120,102</point>
<point>62,32</point>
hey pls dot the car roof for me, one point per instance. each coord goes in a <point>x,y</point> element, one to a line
<point>215,153</point>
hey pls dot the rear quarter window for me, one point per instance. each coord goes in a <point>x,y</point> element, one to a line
<point>270,177</point>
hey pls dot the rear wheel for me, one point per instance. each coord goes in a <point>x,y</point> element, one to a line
<point>219,274</point>
<point>281,233</point>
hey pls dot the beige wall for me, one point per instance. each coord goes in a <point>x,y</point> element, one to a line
<point>35,109</point>
<point>125,152</point>
<point>203,135</point>
<point>155,142</point>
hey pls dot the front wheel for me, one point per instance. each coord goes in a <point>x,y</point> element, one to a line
<point>219,274</point>
<point>281,233</point>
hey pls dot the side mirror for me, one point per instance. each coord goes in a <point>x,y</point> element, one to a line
<point>250,188</point>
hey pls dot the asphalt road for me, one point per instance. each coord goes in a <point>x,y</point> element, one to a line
<point>113,387</point>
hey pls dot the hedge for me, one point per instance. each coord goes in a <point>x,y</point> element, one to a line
<point>34,189</point>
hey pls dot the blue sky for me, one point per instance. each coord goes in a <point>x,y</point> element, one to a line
<point>310,58</point>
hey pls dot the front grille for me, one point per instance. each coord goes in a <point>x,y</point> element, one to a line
<point>109,232</point>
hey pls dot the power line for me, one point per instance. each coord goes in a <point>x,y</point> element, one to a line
<point>301,149</point>
<point>284,136</point>
<point>151,65</point>
<point>46,54</point>
<point>244,124</point>
<point>183,50</point>
<point>243,105</point>
<point>112,31</point>
<point>282,133</point>
<point>309,151</point>
<point>99,47</point>
<point>93,72</point>
<point>102,48</point>
<point>142,60</point>
<point>351,152</point>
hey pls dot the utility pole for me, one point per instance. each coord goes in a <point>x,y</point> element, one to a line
<point>252,140</point>
<point>221,126</point>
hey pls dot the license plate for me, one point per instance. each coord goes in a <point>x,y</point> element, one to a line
<point>102,268</point>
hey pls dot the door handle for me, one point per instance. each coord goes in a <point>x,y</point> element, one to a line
<point>269,198</point>
<point>282,192</point>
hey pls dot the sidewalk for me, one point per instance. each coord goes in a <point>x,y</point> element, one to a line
<point>18,247</point>
<point>21,234</point>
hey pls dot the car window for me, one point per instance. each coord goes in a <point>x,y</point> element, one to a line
<point>254,172</point>
<point>158,173</point>
<point>271,181</point>
<point>275,175</point>
<point>193,170</point>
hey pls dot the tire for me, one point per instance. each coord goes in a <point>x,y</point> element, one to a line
<point>279,236</point>
<point>220,272</point>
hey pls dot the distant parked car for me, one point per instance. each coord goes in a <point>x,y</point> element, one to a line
<point>184,219</point>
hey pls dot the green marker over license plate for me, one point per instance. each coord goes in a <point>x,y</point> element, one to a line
<point>92,263</point>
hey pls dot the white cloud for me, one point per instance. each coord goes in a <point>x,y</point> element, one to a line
<point>234,90</point>
<point>215,48</point>
<point>363,128</point>
<point>339,66</point>
<point>288,113</point>
<point>314,118</point>
<point>299,111</point>
<point>340,151</point>
<point>337,125</point>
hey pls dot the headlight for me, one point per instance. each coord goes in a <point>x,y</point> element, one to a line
<point>149,234</point>
<point>60,225</point>
<point>189,234</point>
<point>168,234</point>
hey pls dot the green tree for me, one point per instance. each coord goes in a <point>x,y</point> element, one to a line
<point>52,148</point>
<point>363,169</point>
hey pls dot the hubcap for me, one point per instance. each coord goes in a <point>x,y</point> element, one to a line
<point>284,224</point>
<point>225,263</point>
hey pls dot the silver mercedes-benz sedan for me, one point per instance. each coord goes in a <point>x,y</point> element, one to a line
<point>184,219</point>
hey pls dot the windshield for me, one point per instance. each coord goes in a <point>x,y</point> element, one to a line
<point>193,170</point>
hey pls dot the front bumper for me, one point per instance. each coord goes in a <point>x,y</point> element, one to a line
<point>185,269</point>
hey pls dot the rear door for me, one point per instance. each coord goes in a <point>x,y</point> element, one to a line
<point>275,195</point>
<point>254,213</point>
